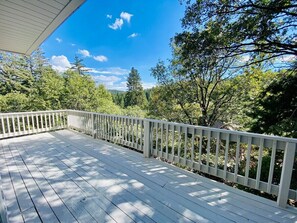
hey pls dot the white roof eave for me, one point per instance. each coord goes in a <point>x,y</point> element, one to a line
<point>12,39</point>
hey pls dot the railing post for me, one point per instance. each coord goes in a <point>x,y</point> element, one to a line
<point>286,175</point>
<point>93,126</point>
<point>68,119</point>
<point>147,132</point>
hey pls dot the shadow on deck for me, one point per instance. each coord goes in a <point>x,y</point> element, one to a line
<point>65,176</point>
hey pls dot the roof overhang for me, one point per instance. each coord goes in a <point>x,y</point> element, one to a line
<point>25,24</point>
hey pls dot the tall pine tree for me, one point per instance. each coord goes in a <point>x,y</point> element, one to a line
<point>135,95</point>
<point>78,66</point>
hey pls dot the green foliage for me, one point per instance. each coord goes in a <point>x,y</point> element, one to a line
<point>163,105</point>
<point>148,94</point>
<point>104,103</point>
<point>119,99</point>
<point>119,96</point>
<point>202,91</point>
<point>275,110</point>
<point>249,87</point>
<point>29,83</point>
<point>207,69</point>
<point>81,93</point>
<point>135,95</point>
<point>15,73</point>
<point>200,72</point>
<point>265,28</point>
<point>37,63</point>
<point>78,91</point>
<point>134,111</point>
<point>78,65</point>
<point>14,102</point>
<point>50,88</point>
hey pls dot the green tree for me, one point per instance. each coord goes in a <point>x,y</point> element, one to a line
<point>250,32</point>
<point>37,63</point>
<point>198,80</point>
<point>50,89</point>
<point>79,92</point>
<point>78,65</point>
<point>148,94</point>
<point>164,105</point>
<point>134,111</point>
<point>275,110</point>
<point>15,75</point>
<point>200,73</point>
<point>122,101</point>
<point>247,27</point>
<point>119,98</point>
<point>249,87</point>
<point>14,102</point>
<point>135,94</point>
<point>29,83</point>
<point>19,75</point>
<point>104,102</point>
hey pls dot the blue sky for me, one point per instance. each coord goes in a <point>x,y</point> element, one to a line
<point>114,35</point>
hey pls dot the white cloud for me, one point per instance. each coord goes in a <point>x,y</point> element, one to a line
<point>104,78</point>
<point>126,16</point>
<point>72,44</point>
<point>109,16</point>
<point>108,81</point>
<point>100,58</point>
<point>59,40</point>
<point>148,85</point>
<point>85,53</point>
<point>60,63</point>
<point>109,70</point>
<point>117,24</point>
<point>122,86</point>
<point>133,35</point>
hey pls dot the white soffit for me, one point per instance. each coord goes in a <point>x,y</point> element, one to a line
<point>25,24</point>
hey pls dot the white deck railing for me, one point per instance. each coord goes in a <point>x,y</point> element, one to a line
<point>234,156</point>
<point>25,123</point>
<point>257,161</point>
<point>122,130</point>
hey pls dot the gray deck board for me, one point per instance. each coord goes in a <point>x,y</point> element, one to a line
<point>65,176</point>
<point>41,204</point>
<point>11,202</point>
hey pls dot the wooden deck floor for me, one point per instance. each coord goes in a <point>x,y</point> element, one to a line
<point>68,177</point>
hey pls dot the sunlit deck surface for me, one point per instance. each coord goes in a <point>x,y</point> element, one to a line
<point>65,176</point>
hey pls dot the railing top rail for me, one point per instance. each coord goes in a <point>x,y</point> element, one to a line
<point>240,133</point>
<point>109,115</point>
<point>29,112</point>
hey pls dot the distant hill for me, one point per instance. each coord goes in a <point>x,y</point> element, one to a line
<point>118,96</point>
<point>123,92</point>
<point>116,92</point>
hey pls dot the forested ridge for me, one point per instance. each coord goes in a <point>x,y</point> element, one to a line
<point>233,66</point>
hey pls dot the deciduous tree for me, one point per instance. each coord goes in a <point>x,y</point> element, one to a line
<point>275,110</point>
<point>262,29</point>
